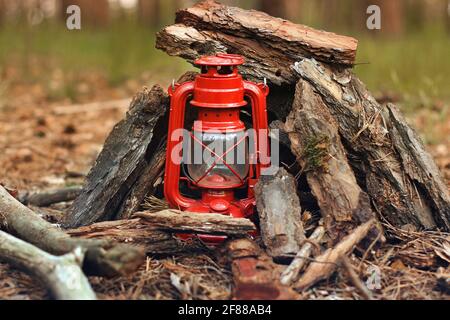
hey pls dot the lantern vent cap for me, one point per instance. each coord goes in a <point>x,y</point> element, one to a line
<point>221,59</point>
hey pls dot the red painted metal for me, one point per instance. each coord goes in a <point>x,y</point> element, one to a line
<point>219,94</point>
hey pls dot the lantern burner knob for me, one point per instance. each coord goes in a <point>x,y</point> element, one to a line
<point>219,205</point>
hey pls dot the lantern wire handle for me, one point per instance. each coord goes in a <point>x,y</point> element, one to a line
<point>265,82</point>
<point>173,84</point>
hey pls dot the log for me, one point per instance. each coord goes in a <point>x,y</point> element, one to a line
<point>271,44</point>
<point>151,178</point>
<point>291,273</point>
<point>46,198</point>
<point>255,275</point>
<point>103,257</point>
<point>189,222</point>
<point>134,232</point>
<point>126,154</point>
<point>279,214</point>
<point>153,173</point>
<point>325,264</point>
<point>315,141</point>
<point>61,275</point>
<point>399,175</point>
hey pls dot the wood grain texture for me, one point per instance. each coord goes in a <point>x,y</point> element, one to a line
<point>400,177</point>
<point>191,222</point>
<point>316,142</point>
<point>271,45</point>
<point>126,153</point>
<point>279,214</point>
<point>134,232</point>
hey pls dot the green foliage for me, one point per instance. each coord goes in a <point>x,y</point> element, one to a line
<point>315,154</point>
<point>122,51</point>
<point>414,67</point>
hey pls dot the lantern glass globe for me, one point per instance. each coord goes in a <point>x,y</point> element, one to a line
<point>206,167</point>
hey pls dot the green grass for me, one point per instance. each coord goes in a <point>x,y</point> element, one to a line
<point>415,66</point>
<point>122,51</point>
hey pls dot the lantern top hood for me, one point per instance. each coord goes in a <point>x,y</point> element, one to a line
<point>219,85</point>
<point>220,59</point>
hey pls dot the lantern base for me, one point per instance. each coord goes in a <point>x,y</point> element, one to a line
<point>220,202</point>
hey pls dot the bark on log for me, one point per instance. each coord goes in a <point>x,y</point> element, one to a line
<point>279,214</point>
<point>128,150</point>
<point>46,198</point>
<point>325,264</point>
<point>270,44</point>
<point>103,257</point>
<point>61,275</point>
<point>188,222</point>
<point>255,275</point>
<point>136,232</point>
<point>316,143</point>
<point>401,178</point>
<point>146,184</point>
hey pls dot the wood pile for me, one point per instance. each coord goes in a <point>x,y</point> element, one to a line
<point>350,163</point>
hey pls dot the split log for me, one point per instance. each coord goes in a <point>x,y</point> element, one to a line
<point>131,164</point>
<point>61,275</point>
<point>292,272</point>
<point>401,178</point>
<point>254,273</point>
<point>153,174</point>
<point>279,214</point>
<point>46,198</point>
<point>325,264</point>
<point>103,257</point>
<point>189,222</point>
<point>150,179</point>
<point>271,44</point>
<point>136,232</point>
<point>128,150</point>
<point>317,145</point>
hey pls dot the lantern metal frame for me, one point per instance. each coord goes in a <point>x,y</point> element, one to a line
<point>221,94</point>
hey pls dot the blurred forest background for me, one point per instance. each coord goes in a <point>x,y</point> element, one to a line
<point>43,64</point>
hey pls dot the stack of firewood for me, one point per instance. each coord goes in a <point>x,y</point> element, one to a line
<point>350,162</point>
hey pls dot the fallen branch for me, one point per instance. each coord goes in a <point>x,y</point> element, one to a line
<point>291,273</point>
<point>188,222</point>
<point>61,275</point>
<point>46,198</point>
<point>355,279</point>
<point>103,257</point>
<point>325,264</point>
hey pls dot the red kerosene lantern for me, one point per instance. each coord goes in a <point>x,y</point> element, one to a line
<point>219,161</point>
